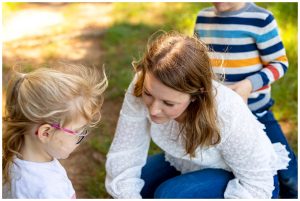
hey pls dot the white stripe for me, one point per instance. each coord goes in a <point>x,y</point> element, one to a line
<point>269,27</point>
<point>285,63</point>
<point>237,71</point>
<point>272,57</point>
<point>280,70</point>
<point>227,41</point>
<point>256,94</point>
<point>268,43</point>
<point>229,27</point>
<point>269,74</point>
<point>203,13</point>
<point>235,56</point>
<point>252,15</point>
<point>219,70</point>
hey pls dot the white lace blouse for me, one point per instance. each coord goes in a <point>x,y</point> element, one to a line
<point>244,150</point>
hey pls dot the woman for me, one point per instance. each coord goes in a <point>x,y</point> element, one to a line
<point>213,146</point>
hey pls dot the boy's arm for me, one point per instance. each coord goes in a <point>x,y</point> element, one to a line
<point>272,54</point>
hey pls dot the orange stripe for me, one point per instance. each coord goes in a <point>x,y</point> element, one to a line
<point>236,63</point>
<point>281,59</point>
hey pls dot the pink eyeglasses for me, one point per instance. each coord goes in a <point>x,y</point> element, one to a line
<point>81,135</point>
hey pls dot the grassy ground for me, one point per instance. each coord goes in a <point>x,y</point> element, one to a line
<point>126,38</point>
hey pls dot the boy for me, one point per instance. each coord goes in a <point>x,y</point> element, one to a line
<point>248,50</point>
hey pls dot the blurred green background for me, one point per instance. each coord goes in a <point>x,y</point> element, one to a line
<point>123,36</point>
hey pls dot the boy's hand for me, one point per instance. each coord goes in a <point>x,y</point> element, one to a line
<point>243,88</point>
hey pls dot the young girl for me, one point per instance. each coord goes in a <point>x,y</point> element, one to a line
<point>213,145</point>
<point>48,113</point>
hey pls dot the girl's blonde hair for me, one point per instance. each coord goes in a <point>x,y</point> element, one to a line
<point>181,62</point>
<point>47,95</point>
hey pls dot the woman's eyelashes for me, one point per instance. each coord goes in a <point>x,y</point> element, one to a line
<point>165,102</point>
<point>146,93</point>
<point>168,104</point>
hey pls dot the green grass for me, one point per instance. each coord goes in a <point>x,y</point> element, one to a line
<point>121,45</point>
<point>96,185</point>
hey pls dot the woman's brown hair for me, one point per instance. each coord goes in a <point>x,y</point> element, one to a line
<point>182,63</point>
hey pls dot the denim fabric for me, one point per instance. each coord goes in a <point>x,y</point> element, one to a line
<point>288,179</point>
<point>164,181</point>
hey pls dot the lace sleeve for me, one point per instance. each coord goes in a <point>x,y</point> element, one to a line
<point>128,152</point>
<point>247,151</point>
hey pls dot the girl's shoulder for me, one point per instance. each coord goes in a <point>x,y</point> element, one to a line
<point>39,180</point>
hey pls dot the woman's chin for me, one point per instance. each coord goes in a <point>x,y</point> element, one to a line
<point>158,120</point>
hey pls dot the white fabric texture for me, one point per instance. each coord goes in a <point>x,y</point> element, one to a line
<point>244,149</point>
<point>32,180</point>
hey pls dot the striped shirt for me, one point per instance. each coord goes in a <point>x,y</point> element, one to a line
<point>246,45</point>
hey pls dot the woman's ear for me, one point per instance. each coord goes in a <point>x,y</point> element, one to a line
<point>43,133</point>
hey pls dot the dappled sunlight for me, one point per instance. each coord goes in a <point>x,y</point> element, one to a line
<point>149,14</point>
<point>65,50</point>
<point>41,32</point>
<point>97,14</point>
<point>75,50</point>
<point>29,23</point>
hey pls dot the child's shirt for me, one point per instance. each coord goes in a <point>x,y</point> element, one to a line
<point>246,45</point>
<point>38,180</point>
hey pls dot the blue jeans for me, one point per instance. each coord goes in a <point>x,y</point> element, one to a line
<point>164,181</point>
<point>288,179</point>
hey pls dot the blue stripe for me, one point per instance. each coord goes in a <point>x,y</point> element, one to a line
<point>236,77</point>
<point>235,20</point>
<point>226,34</point>
<point>233,48</point>
<point>253,100</point>
<point>272,49</point>
<point>268,36</point>
<point>239,77</point>
<point>264,77</point>
<point>269,19</point>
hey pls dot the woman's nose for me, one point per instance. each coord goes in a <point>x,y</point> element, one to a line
<point>154,108</point>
